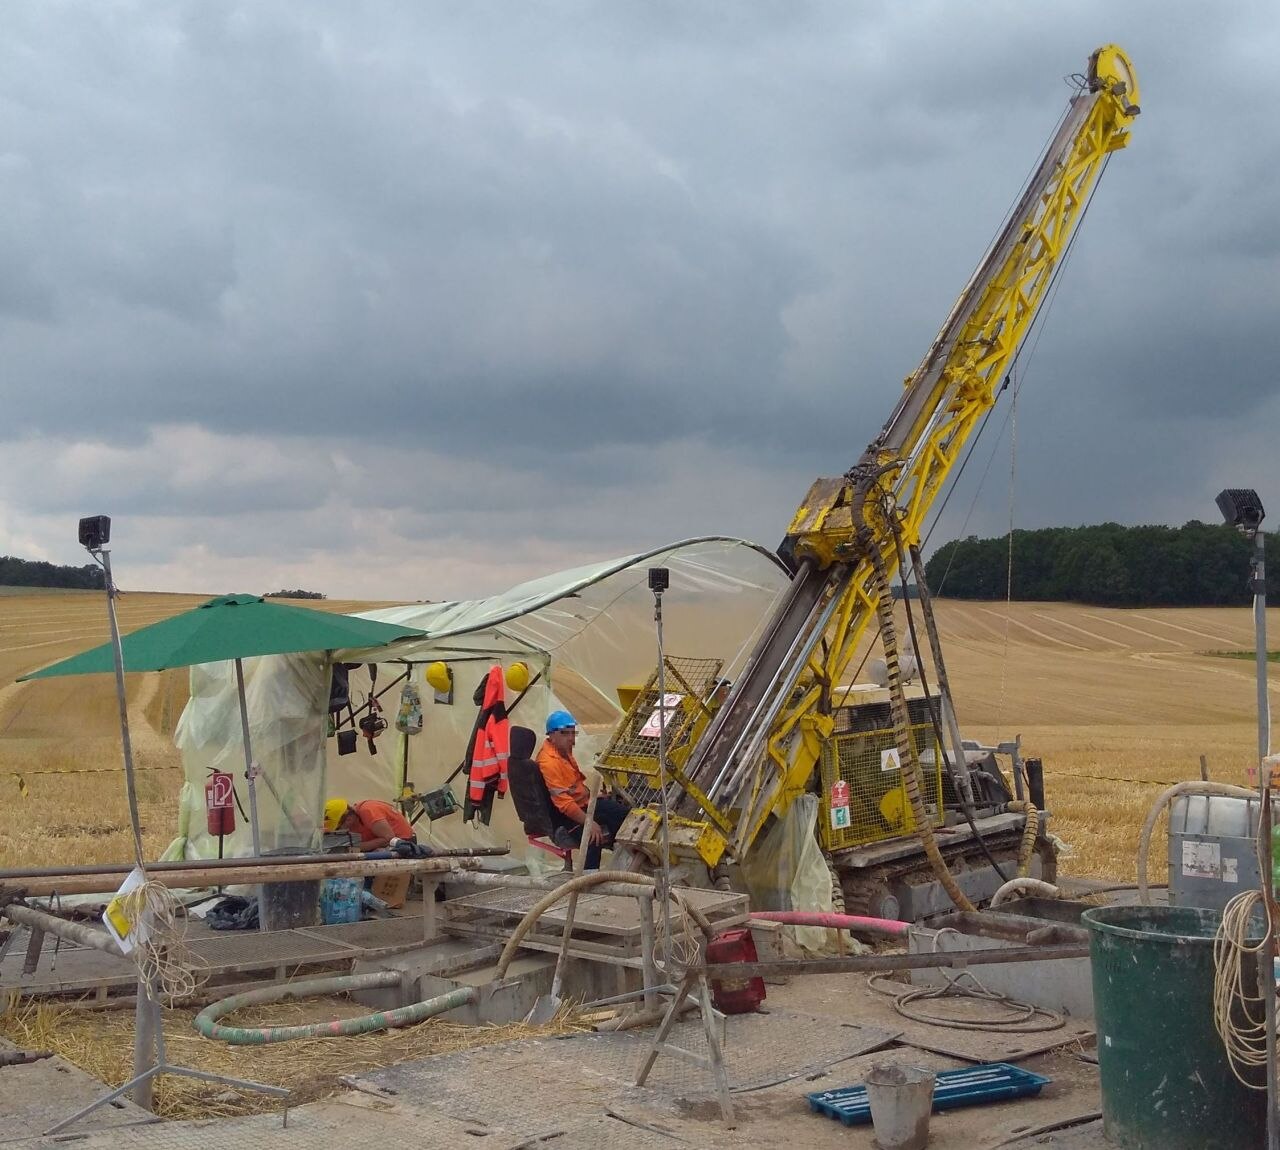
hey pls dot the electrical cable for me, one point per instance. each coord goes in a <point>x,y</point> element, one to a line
<point>1244,1040</point>
<point>1235,1004</point>
<point>1018,1017</point>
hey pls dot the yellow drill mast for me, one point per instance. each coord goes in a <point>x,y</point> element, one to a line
<point>759,750</point>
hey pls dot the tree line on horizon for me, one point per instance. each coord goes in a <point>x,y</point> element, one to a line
<point>1108,565</point>
<point>15,572</point>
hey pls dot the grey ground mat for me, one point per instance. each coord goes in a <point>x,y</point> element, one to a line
<point>41,1094</point>
<point>761,1050</point>
<point>319,1126</point>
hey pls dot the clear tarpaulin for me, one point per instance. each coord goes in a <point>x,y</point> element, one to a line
<point>583,633</point>
<point>786,871</point>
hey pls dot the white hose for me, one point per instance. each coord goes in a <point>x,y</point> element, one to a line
<point>1031,886</point>
<point>1163,800</point>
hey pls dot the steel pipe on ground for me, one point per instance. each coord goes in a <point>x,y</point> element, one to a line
<point>551,882</point>
<point>202,876</point>
<point>866,963</point>
<point>886,926</point>
<point>8,876</point>
<point>227,863</point>
<point>72,931</point>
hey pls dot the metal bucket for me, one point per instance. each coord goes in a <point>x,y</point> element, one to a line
<point>901,1100</point>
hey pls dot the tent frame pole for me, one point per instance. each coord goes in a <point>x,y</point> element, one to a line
<point>250,769</point>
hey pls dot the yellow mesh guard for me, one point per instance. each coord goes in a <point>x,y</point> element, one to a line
<point>633,749</point>
<point>878,804</point>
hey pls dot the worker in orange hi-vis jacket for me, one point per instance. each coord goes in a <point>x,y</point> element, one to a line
<point>378,825</point>
<point>568,788</point>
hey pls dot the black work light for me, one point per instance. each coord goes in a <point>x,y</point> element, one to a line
<point>95,532</point>
<point>1242,509</point>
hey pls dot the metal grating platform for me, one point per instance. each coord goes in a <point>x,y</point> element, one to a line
<point>65,968</point>
<point>606,927</point>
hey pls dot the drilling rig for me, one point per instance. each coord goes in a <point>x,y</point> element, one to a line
<point>913,819</point>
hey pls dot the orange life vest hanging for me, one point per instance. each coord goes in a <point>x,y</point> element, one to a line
<point>492,746</point>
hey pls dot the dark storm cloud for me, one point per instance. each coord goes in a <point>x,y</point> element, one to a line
<point>560,254</point>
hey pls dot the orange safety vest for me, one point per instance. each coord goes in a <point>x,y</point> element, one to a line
<point>565,782</point>
<point>370,811</point>
<point>492,746</point>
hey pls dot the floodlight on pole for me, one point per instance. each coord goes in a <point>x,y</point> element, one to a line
<point>150,1055</point>
<point>94,535</point>
<point>1242,509</point>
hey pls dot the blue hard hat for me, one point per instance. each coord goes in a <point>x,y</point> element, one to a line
<point>560,721</point>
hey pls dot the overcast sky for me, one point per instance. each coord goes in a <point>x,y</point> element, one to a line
<point>418,300</point>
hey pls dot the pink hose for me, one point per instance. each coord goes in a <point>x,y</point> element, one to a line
<point>838,921</point>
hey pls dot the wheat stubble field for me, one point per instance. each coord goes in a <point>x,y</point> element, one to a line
<point>60,739</point>
<point>1113,701</point>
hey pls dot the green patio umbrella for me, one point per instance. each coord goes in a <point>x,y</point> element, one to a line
<point>231,627</point>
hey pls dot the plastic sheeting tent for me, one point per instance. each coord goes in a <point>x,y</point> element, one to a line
<point>586,631</point>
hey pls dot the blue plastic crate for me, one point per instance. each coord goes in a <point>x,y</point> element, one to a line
<point>969,1086</point>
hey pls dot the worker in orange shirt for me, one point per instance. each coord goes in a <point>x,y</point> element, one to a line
<point>378,825</point>
<point>568,788</point>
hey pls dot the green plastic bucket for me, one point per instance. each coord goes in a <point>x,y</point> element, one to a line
<point>1166,1082</point>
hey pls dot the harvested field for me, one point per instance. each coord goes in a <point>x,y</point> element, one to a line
<point>1115,702</point>
<point>63,733</point>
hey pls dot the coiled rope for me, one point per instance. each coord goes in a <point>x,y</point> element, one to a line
<point>1244,1039</point>
<point>167,966</point>
<point>675,929</point>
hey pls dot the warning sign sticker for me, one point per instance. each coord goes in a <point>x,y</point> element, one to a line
<point>669,710</point>
<point>1201,860</point>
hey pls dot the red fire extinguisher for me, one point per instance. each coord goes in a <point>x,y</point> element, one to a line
<point>220,805</point>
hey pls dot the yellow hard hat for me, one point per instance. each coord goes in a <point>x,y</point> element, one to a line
<point>518,676</point>
<point>439,676</point>
<point>335,811</point>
